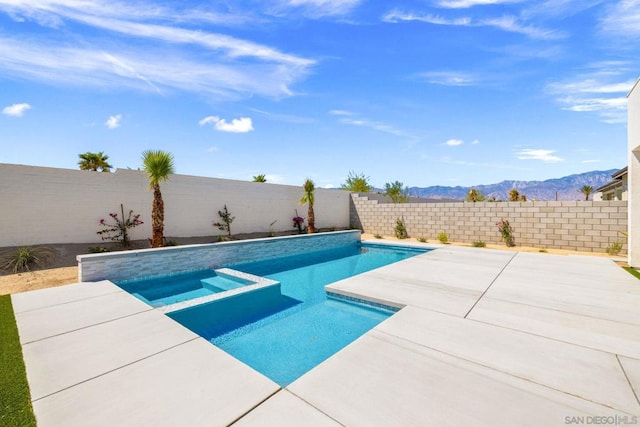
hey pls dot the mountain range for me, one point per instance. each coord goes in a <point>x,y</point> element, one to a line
<point>566,188</point>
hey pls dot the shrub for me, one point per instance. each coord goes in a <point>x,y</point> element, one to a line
<point>377,236</point>
<point>118,231</point>
<point>543,250</point>
<point>422,239</point>
<point>400,229</point>
<point>21,259</point>
<point>506,232</point>
<point>479,244</point>
<point>97,249</point>
<point>443,238</point>
<point>272,232</point>
<point>227,219</point>
<point>614,248</point>
<point>298,222</point>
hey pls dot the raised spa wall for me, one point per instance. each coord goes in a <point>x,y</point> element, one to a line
<point>127,265</point>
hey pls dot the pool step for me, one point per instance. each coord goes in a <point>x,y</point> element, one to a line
<point>215,284</point>
<point>246,283</point>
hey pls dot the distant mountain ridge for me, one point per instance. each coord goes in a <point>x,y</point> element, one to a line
<point>565,188</point>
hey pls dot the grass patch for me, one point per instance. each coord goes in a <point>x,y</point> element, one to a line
<point>633,272</point>
<point>15,399</point>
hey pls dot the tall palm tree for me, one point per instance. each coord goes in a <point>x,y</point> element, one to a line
<point>158,165</point>
<point>309,197</point>
<point>260,178</point>
<point>586,190</point>
<point>94,161</point>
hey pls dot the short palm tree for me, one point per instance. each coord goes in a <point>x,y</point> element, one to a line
<point>158,165</point>
<point>94,161</point>
<point>514,195</point>
<point>260,178</point>
<point>586,190</point>
<point>309,197</point>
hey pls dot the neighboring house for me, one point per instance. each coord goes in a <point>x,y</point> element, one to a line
<point>616,189</point>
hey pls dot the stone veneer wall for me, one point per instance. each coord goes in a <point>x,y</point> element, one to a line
<point>578,226</point>
<point>137,264</point>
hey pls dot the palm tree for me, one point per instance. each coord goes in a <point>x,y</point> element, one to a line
<point>94,161</point>
<point>158,165</point>
<point>309,197</point>
<point>514,195</point>
<point>260,178</point>
<point>586,190</point>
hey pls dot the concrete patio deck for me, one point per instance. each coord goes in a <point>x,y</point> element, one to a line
<point>486,337</point>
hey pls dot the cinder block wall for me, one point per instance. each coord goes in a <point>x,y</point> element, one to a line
<point>49,205</point>
<point>578,226</point>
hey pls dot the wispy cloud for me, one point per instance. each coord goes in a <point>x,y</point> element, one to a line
<point>506,23</point>
<point>602,91</point>
<point>349,118</point>
<point>475,142</point>
<point>148,47</point>
<point>622,19</point>
<point>241,125</point>
<point>546,156</point>
<point>454,142</point>
<point>113,121</point>
<point>448,78</point>
<point>316,8</point>
<point>16,110</point>
<point>288,118</point>
<point>463,4</point>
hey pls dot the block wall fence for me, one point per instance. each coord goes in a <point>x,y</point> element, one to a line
<point>578,226</point>
<point>41,205</point>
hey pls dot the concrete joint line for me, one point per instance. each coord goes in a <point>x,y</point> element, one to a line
<point>316,408</point>
<point>490,284</point>
<point>117,369</point>
<point>633,390</point>
<point>254,407</point>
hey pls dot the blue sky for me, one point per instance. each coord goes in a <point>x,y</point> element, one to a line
<point>427,92</point>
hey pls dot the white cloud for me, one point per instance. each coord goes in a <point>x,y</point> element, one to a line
<point>622,19</point>
<point>241,125</point>
<point>463,4</point>
<point>349,118</point>
<point>212,149</point>
<point>538,154</point>
<point>113,121</point>
<point>128,47</point>
<point>454,142</point>
<point>506,23</point>
<point>602,91</point>
<point>315,8</point>
<point>448,78</point>
<point>16,110</point>
<point>475,141</point>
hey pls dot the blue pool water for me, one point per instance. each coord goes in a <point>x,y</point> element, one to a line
<point>285,333</point>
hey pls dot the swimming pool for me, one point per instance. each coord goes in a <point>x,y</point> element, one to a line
<point>285,332</point>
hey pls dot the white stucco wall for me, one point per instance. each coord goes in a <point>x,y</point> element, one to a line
<point>48,205</point>
<point>633,138</point>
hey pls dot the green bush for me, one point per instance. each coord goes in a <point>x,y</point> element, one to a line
<point>97,249</point>
<point>21,259</point>
<point>614,248</point>
<point>479,244</point>
<point>400,229</point>
<point>443,238</point>
<point>377,236</point>
<point>422,239</point>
